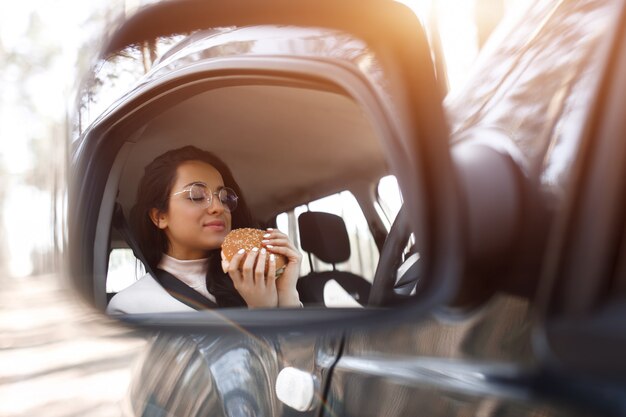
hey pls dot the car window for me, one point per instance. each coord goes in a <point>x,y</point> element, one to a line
<point>124,269</point>
<point>388,199</point>
<point>115,76</point>
<point>363,251</point>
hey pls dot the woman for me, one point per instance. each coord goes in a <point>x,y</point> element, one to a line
<point>187,202</point>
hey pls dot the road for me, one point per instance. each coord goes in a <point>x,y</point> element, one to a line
<point>58,358</point>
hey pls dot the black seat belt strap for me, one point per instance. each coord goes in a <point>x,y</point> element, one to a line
<point>182,292</point>
<point>175,287</point>
<point>120,223</point>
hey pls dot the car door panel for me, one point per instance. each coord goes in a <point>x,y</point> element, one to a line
<point>537,86</point>
<point>227,375</point>
<point>477,363</point>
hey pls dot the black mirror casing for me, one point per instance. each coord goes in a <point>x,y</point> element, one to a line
<point>583,312</point>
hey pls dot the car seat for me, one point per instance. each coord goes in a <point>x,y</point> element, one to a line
<point>325,236</point>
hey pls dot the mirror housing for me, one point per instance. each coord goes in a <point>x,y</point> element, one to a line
<point>421,152</point>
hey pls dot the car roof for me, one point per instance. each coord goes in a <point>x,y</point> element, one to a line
<point>294,145</point>
<point>330,141</point>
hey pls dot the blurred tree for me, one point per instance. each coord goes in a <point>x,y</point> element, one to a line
<point>44,141</point>
<point>3,183</point>
<point>108,79</point>
<point>36,98</point>
<point>4,271</point>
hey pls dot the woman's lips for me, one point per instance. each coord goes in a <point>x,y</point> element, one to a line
<point>216,225</point>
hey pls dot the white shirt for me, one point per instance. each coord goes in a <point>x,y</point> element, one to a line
<point>192,273</point>
<point>148,296</point>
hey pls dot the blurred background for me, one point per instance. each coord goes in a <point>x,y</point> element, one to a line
<point>57,357</point>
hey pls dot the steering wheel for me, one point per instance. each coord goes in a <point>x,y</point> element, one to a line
<point>396,276</point>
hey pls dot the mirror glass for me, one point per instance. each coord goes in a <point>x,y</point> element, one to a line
<point>300,120</point>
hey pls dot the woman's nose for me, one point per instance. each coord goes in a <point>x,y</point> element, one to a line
<point>215,206</point>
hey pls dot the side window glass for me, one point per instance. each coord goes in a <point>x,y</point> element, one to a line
<point>124,269</point>
<point>363,251</point>
<point>115,75</point>
<point>388,199</point>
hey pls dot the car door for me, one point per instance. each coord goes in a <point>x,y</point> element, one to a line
<point>231,375</point>
<point>583,315</point>
<point>532,93</point>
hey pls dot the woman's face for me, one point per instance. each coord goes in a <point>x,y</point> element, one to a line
<point>191,229</point>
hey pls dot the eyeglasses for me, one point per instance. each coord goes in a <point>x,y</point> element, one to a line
<point>202,196</point>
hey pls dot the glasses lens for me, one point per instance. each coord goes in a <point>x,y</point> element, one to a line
<point>229,198</point>
<point>198,194</point>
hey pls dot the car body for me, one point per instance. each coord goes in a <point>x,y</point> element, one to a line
<point>510,340</point>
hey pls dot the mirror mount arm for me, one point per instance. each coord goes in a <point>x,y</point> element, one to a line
<point>500,217</point>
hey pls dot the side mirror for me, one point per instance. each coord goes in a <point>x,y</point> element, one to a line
<point>364,104</point>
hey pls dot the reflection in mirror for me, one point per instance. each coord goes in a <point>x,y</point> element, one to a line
<point>115,76</point>
<point>388,199</point>
<point>291,151</point>
<point>296,153</point>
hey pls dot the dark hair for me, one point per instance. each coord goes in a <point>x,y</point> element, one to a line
<point>154,191</point>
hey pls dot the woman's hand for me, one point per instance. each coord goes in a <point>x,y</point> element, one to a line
<point>249,278</point>
<point>277,242</point>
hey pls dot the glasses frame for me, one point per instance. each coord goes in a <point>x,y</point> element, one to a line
<point>208,201</point>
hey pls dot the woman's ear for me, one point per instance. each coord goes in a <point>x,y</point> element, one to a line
<point>158,218</point>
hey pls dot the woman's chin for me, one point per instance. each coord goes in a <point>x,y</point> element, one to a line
<point>214,243</point>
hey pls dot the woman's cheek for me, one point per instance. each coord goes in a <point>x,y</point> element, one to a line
<point>229,222</point>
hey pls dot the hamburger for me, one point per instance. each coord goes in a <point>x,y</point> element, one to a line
<point>248,239</point>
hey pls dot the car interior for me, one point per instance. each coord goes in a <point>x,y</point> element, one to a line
<point>308,160</point>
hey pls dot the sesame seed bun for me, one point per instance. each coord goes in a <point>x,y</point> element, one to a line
<point>248,239</point>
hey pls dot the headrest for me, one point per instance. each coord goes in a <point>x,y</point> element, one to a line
<point>325,236</point>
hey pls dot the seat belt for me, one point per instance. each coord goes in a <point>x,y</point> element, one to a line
<point>120,223</point>
<point>175,287</point>
<point>183,292</point>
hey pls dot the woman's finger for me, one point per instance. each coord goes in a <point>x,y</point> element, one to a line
<point>276,237</point>
<point>275,234</point>
<point>271,274</point>
<point>233,266</point>
<point>225,263</point>
<point>259,270</point>
<point>291,254</point>
<point>248,266</point>
<point>271,270</point>
<point>236,260</point>
<point>276,242</point>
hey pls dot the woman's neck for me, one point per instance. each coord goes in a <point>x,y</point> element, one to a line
<point>192,272</point>
<point>187,255</point>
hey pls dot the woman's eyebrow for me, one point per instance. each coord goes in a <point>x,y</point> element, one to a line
<point>204,184</point>
<point>195,183</point>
